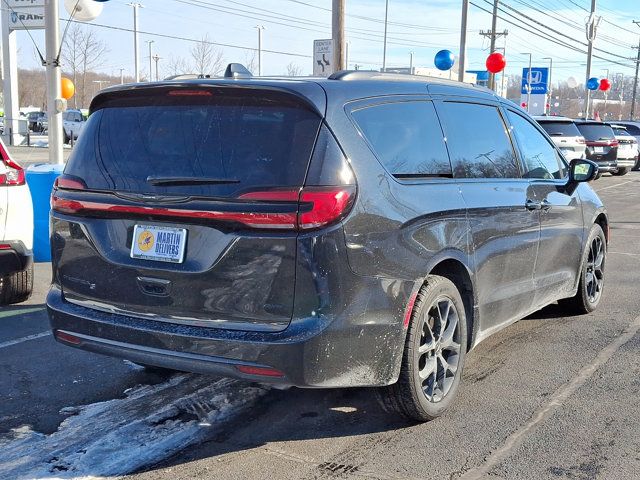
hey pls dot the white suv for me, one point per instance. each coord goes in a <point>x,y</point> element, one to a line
<point>72,124</point>
<point>627,149</point>
<point>16,232</point>
<point>565,135</point>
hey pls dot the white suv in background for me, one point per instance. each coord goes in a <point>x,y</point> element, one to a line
<point>72,124</point>
<point>16,232</point>
<point>627,148</point>
<point>565,135</point>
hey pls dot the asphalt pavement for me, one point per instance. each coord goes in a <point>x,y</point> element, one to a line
<point>548,397</point>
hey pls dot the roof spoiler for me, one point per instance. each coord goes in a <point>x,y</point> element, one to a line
<point>237,70</point>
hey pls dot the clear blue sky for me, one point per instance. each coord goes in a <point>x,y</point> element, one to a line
<point>421,26</point>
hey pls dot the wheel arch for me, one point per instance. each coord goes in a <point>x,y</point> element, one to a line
<point>602,220</point>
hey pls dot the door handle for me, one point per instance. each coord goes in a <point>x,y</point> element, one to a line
<point>546,205</point>
<point>532,205</point>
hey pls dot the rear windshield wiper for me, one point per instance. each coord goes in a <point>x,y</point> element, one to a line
<point>168,181</point>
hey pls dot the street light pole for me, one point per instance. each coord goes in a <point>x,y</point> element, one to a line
<point>592,25</point>
<point>548,109</point>
<point>635,81</point>
<point>55,104</point>
<point>121,76</point>
<point>136,39</point>
<point>410,63</point>
<point>150,42</point>
<point>157,58</point>
<point>260,29</point>
<point>463,40</point>
<point>384,49</point>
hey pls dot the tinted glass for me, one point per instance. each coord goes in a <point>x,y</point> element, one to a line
<point>538,155</point>
<point>251,140</point>
<point>595,131</point>
<point>622,132</point>
<point>633,129</point>
<point>561,129</point>
<point>406,137</point>
<point>478,141</point>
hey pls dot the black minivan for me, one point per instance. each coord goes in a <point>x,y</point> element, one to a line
<point>362,230</point>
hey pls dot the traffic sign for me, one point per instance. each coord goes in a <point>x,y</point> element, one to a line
<point>539,80</point>
<point>323,57</point>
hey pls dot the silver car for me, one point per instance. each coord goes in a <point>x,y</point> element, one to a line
<point>565,135</point>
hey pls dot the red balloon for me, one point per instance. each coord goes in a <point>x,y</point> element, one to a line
<point>605,84</point>
<point>496,62</point>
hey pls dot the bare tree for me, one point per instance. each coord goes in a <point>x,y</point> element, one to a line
<point>251,61</point>
<point>207,57</point>
<point>294,70</point>
<point>82,52</point>
<point>177,66</point>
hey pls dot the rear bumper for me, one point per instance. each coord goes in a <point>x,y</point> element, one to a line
<point>626,162</point>
<point>311,352</point>
<point>15,259</point>
<point>605,166</point>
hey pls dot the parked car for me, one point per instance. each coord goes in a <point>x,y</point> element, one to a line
<point>565,135</point>
<point>16,232</point>
<point>43,123</point>
<point>317,232</point>
<point>72,124</point>
<point>627,149</point>
<point>633,128</point>
<point>33,118</point>
<point>602,146</point>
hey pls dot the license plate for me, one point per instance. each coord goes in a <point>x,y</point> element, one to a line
<point>598,149</point>
<point>162,244</point>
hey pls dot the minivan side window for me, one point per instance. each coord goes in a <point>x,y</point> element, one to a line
<point>406,137</point>
<point>540,157</point>
<point>478,142</point>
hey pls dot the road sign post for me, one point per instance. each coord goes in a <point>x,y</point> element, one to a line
<point>323,58</point>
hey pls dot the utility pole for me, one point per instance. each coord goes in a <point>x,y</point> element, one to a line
<point>592,26</point>
<point>463,40</point>
<point>136,39</point>
<point>121,76</point>
<point>384,49</point>
<point>492,48</point>
<point>528,83</point>
<point>547,110</point>
<point>635,81</point>
<point>260,28</point>
<point>493,36</point>
<point>337,33</point>
<point>606,94</point>
<point>157,58</point>
<point>150,42</point>
<point>55,104</point>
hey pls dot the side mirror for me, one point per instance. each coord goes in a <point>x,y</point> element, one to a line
<point>582,170</point>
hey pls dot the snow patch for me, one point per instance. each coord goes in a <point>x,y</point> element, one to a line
<point>119,436</point>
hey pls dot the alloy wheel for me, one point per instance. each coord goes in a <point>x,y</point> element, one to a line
<point>594,279</point>
<point>439,349</point>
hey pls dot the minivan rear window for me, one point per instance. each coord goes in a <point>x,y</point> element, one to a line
<point>596,131</point>
<point>239,140</point>
<point>561,129</point>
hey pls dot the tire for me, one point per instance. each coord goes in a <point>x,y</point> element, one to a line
<point>65,137</point>
<point>637,165</point>
<point>414,396</point>
<point>598,175</point>
<point>17,287</point>
<point>592,276</point>
<point>621,171</point>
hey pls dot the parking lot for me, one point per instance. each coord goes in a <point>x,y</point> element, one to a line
<point>549,397</point>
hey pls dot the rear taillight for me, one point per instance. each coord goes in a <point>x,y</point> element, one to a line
<point>317,206</point>
<point>14,175</point>
<point>311,207</point>
<point>66,182</point>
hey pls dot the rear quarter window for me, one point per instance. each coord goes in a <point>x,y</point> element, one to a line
<point>406,137</point>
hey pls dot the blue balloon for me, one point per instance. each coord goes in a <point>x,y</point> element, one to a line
<point>593,83</point>
<point>444,60</point>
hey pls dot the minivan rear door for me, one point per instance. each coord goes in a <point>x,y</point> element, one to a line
<point>179,204</point>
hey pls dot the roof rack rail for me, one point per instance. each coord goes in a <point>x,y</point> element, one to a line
<point>376,75</point>
<point>237,70</point>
